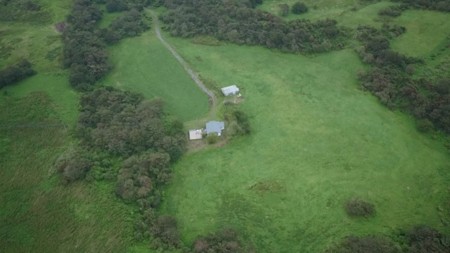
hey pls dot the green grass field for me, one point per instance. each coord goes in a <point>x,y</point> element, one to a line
<point>37,213</point>
<point>143,65</point>
<point>317,140</point>
<point>427,32</point>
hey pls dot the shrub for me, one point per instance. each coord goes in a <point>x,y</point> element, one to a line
<point>212,138</point>
<point>165,229</point>
<point>424,239</point>
<point>15,73</point>
<point>73,165</point>
<point>299,8</point>
<point>367,244</point>
<point>359,208</point>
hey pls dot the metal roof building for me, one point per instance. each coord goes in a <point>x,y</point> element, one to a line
<point>230,90</point>
<point>215,127</point>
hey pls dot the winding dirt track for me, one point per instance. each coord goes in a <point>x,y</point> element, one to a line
<point>187,68</point>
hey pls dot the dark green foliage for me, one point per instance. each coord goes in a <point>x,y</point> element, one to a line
<point>359,208</point>
<point>140,175</point>
<point>299,8</point>
<point>116,5</point>
<point>84,50</point>
<point>237,123</point>
<point>130,24</point>
<point>438,5</point>
<point>24,11</point>
<point>73,165</point>
<point>224,241</point>
<point>391,81</point>
<point>122,123</point>
<point>15,73</point>
<point>235,22</point>
<point>284,9</point>
<point>392,11</point>
<point>165,230</point>
<point>368,244</point>
<point>424,239</point>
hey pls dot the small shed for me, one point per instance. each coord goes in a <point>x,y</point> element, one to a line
<point>215,127</point>
<point>195,134</point>
<point>230,90</point>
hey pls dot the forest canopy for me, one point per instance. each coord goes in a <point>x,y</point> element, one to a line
<point>239,23</point>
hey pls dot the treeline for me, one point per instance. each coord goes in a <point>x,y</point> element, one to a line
<point>438,5</point>
<point>15,73</point>
<point>85,44</point>
<point>238,22</point>
<point>391,79</point>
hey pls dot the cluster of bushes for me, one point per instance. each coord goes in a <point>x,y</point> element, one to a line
<point>223,241</point>
<point>392,11</point>
<point>15,73</point>
<point>84,50</point>
<point>84,43</point>
<point>419,239</point>
<point>237,123</point>
<point>24,11</point>
<point>130,24</point>
<point>391,80</point>
<point>238,23</point>
<point>123,124</point>
<point>438,5</point>
<point>73,165</point>
<point>299,8</point>
<point>359,208</point>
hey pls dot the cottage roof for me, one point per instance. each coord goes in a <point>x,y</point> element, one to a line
<point>215,127</point>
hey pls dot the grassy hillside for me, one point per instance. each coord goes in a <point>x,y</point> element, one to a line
<point>37,213</point>
<point>145,66</point>
<point>317,141</point>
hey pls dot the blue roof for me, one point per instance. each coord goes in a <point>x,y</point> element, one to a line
<point>215,127</point>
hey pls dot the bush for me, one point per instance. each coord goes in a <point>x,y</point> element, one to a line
<point>367,244</point>
<point>224,241</point>
<point>212,138</point>
<point>299,8</point>
<point>424,239</point>
<point>15,73</point>
<point>73,165</point>
<point>359,208</point>
<point>165,228</point>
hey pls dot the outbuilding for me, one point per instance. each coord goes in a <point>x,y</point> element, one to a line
<point>230,90</point>
<point>195,134</point>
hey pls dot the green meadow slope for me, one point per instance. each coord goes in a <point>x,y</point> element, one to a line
<point>317,140</point>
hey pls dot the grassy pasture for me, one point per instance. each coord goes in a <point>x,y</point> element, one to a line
<point>37,214</point>
<point>145,66</point>
<point>317,140</point>
<point>427,33</point>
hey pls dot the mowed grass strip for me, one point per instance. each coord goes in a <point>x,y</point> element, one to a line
<point>37,213</point>
<point>426,31</point>
<point>317,140</point>
<point>145,66</point>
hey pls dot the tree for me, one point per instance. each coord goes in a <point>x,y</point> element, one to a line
<point>299,8</point>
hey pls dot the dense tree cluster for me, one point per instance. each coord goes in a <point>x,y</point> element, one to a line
<point>15,73</point>
<point>439,5</point>
<point>124,124</point>
<point>238,23</point>
<point>129,24</point>
<point>391,80</point>
<point>224,241</point>
<point>84,43</point>
<point>84,50</point>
